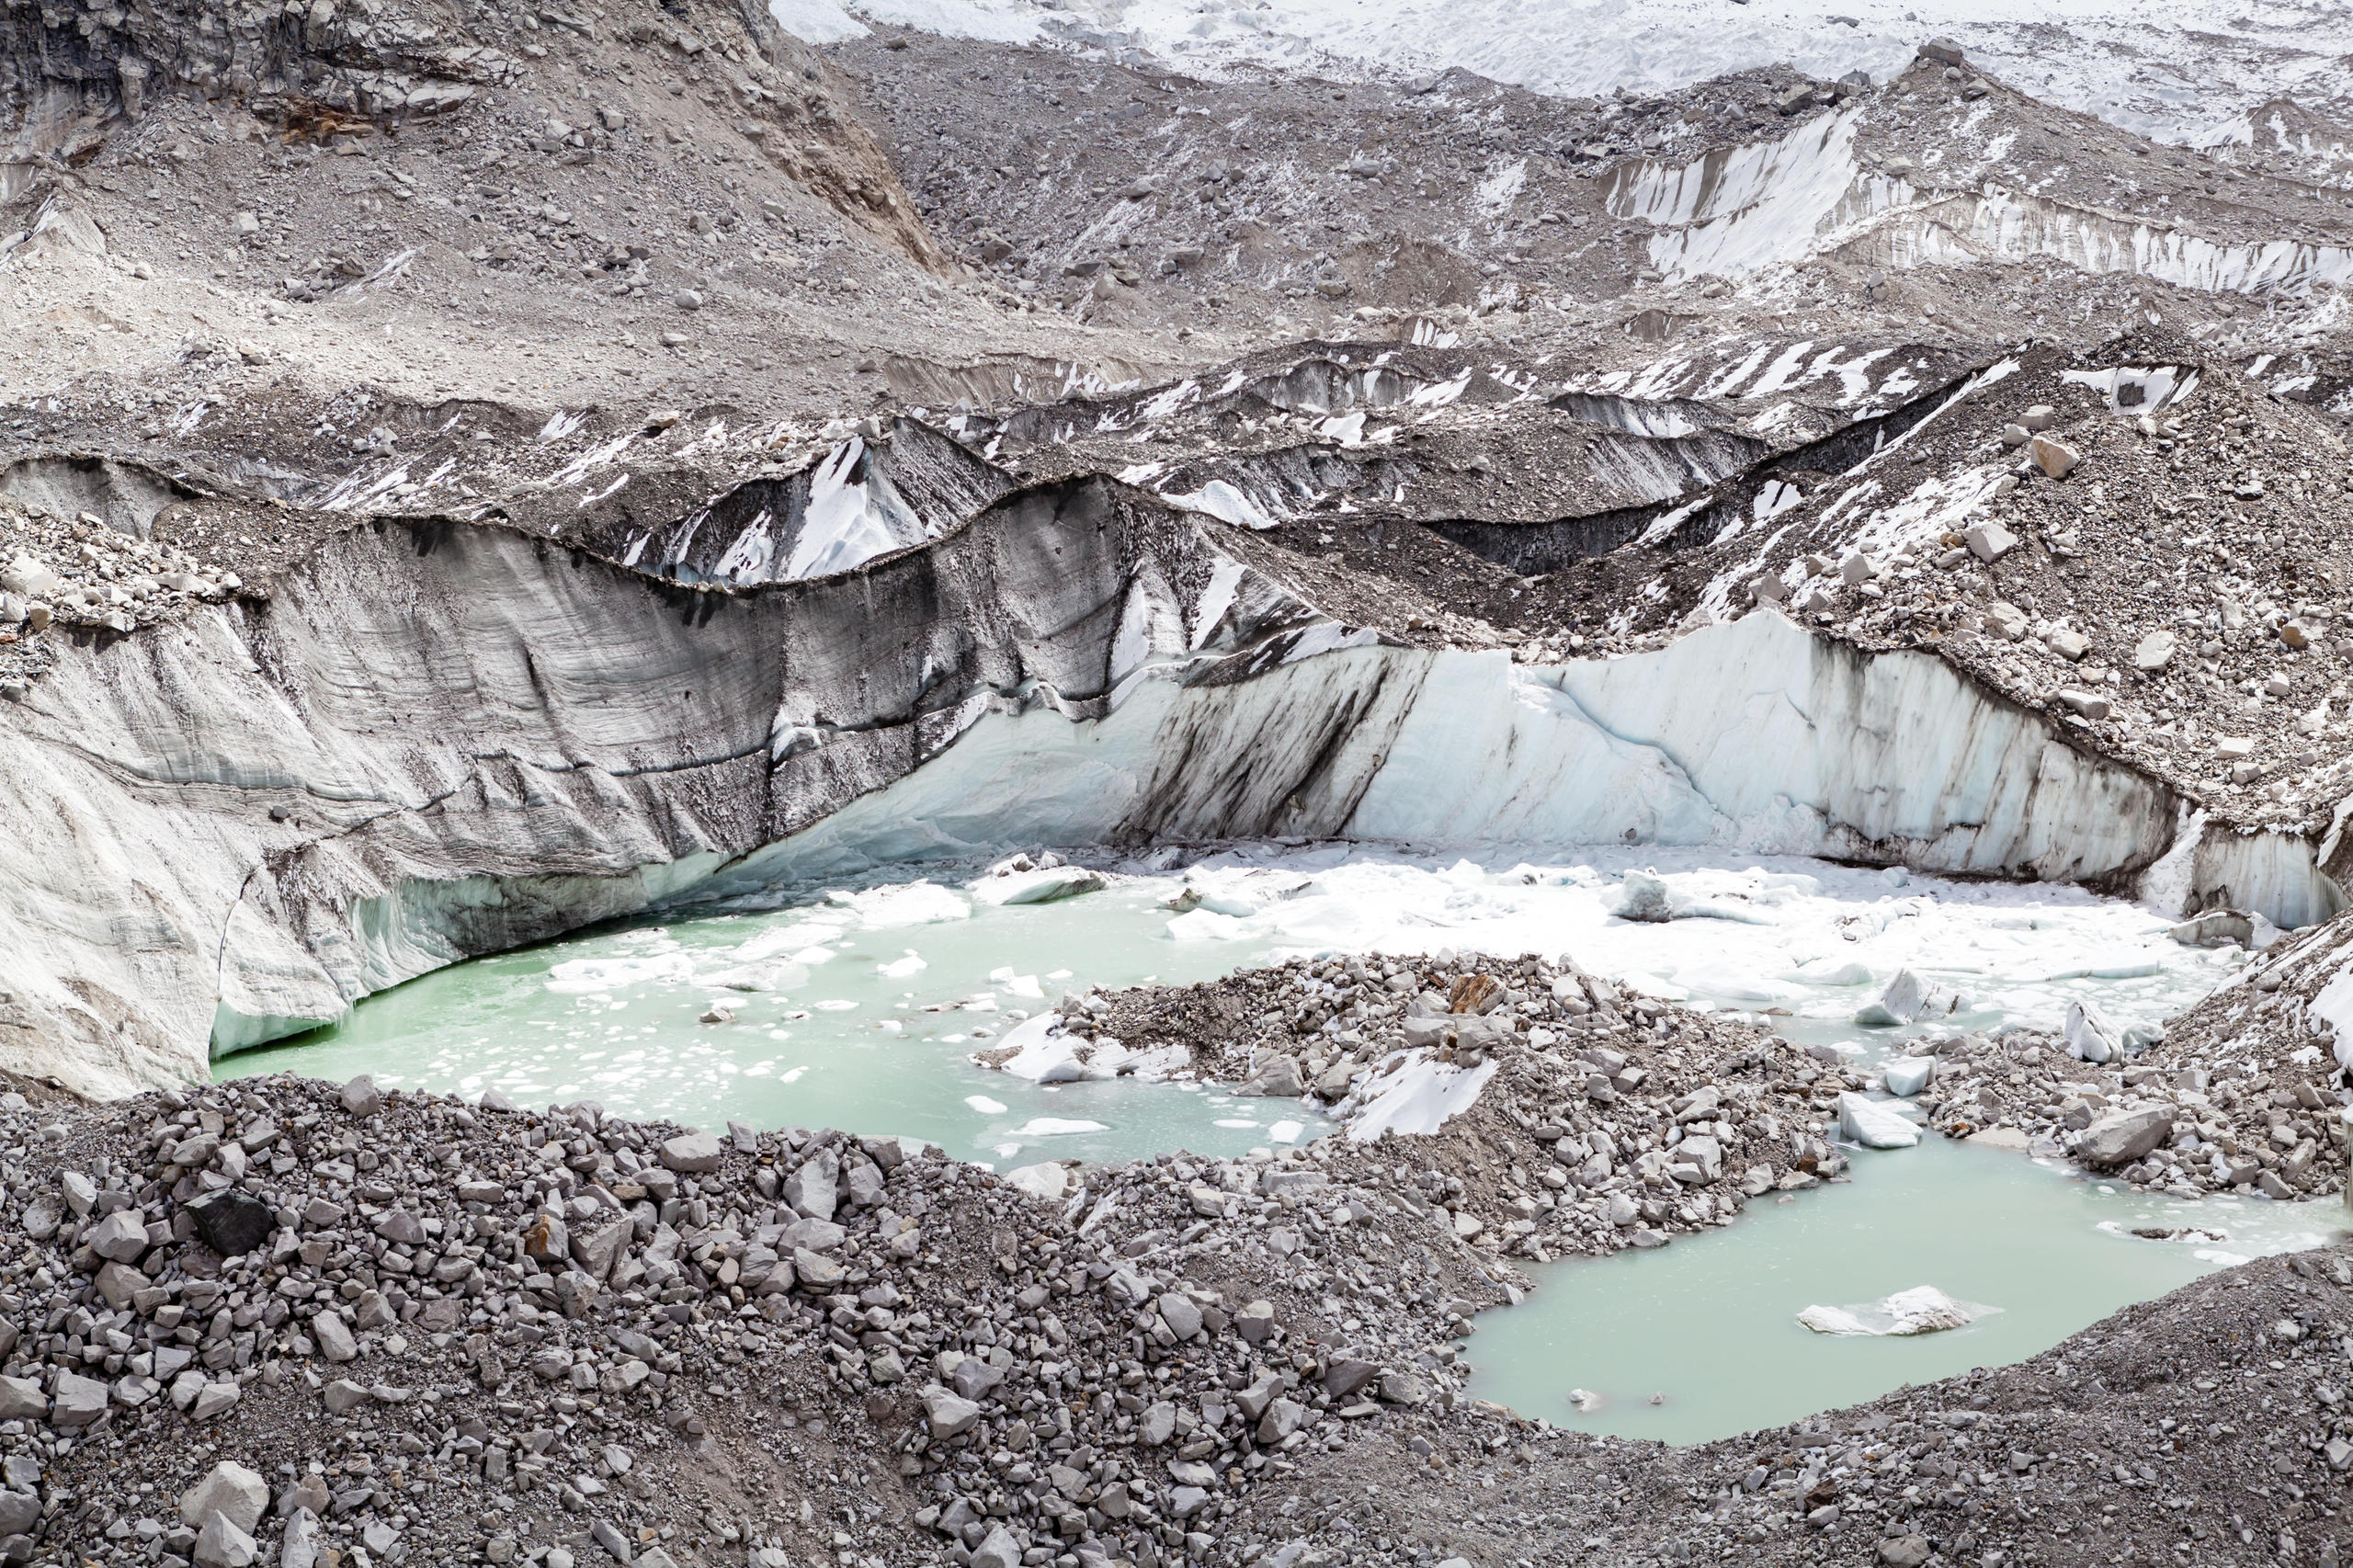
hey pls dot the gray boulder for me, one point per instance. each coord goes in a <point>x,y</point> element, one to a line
<point>229,1489</point>
<point>2125,1137</point>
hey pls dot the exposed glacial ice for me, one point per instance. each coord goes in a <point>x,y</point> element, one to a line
<point>2131,61</point>
<point>512,745</point>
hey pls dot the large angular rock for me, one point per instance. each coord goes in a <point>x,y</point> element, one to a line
<point>220,1544</point>
<point>814,1188</point>
<point>232,1222</point>
<point>120,1237</point>
<point>692,1154</point>
<point>1277,1078</point>
<point>548,1239</point>
<point>948,1415</point>
<point>597,1243</point>
<point>1182,1316</point>
<point>361,1098</point>
<point>21,1399</point>
<point>229,1488</point>
<point>78,1401</point>
<point>999,1550</point>
<point>335,1337</point>
<point>2125,1137</point>
<point>2153,651</point>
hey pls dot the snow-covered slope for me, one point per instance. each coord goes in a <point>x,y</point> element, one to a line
<point>2167,68</point>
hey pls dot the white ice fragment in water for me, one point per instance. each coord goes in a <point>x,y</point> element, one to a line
<point>1924,1309</point>
<point>1036,1049</point>
<point>1873,1124</point>
<point>1907,1075</point>
<point>607,974</point>
<point>899,969</point>
<point>1831,971</point>
<point>1208,926</point>
<point>1054,1126</point>
<point>1037,887</point>
<point>1642,896</point>
<point>1286,1131</point>
<point>984,1104</point>
<point>1908,999</point>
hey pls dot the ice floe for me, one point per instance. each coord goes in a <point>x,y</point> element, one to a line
<point>1924,1309</point>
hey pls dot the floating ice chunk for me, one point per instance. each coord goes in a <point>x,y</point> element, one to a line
<point>1835,1320</point>
<point>786,939</point>
<point>611,974</point>
<point>899,969</point>
<point>1024,985</point>
<point>814,956</point>
<point>1286,1131</point>
<point>1038,1049</point>
<point>984,1104</point>
<point>1831,971</point>
<point>2132,968</point>
<point>1055,1127</point>
<point>2089,1036</point>
<point>1909,999</point>
<point>1873,1124</point>
<point>1923,1309</point>
<point>1907,1075</point>
<point>1039,887</point>
<point>909,903</point>
<point>1642,896</point>
<point>1208,926</point>
<point>834,1005</point>
<point>772,975</point>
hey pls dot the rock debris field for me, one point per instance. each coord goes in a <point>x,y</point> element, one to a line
<point>471,474</point>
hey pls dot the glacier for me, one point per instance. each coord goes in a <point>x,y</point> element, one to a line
<point>435,740</point>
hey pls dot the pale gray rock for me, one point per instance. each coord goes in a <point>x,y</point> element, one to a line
<point>2120,1138</point>
<point>692,1154</point>
<point>1182,1316</point>
<point>120,1236</point>
<point>335,1337</point>
<point>229,1489</point>
<point>813,1188</point>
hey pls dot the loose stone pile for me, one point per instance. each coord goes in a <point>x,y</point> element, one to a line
<point>1613,1119</point>
<point>442,1333</point>
<point>279,1321</point>
<point>84,575</point>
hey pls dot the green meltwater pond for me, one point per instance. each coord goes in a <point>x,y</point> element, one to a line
<point>847,1037</point>
<point>859,1006</point>
<point>1708,1326</point>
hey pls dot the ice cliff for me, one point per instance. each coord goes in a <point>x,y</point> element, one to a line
<point>431,740</point>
